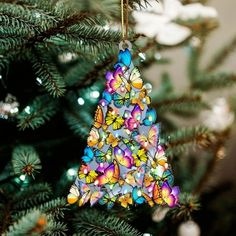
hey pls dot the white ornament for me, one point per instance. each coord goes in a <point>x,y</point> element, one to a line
<point>220,117</point>
<point>159,20</point>
<point>159,214</point>
<point>189,228</point>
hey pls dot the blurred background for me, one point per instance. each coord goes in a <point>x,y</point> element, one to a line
<point>53,58</point>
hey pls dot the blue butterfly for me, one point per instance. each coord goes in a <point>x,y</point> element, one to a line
<point>150,118</point>
<point>106,98</point>
<point>88,155</point>
<point>137,195</point>
<point>124,58</point>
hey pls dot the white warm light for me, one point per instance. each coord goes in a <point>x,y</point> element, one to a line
<point>80,101</point>
<point>95,94</point>
<point>71,172</point>
<point>39,80</point>
<point>27,109</point>
<point>189,228</point>
<point>22,177</point>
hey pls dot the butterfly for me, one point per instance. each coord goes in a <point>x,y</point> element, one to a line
<point>116,81</point>
<point>148,180</point>
<point>106,99</point>
<point>89,175</point>
<point>140,157</point>
<point>74,194</point>
<point>95,196</point>
<point>107,200</point>
<point>150,118</point>
<point>167,176</point>
<point>137,195</point>
<point>112,118</point>
<point>135,78</point>
<point>120,101</point>
<point>124,157</point>
<point>124,58</point>
<point>148,199</point>
<point>136,177</point>
<point>96,137</point>
<point>156,194</point>
<point>99,118</point>
<point>102,157</point>
<point>111,140</point>
<point>142,99</point>
<point>170,195</point>
<point>151,139</point>
<point>111,175</point>
<point>88,155</point>
<point>159,158</point>
<point>134,120</point>
<point>130,143</point>
<point>125,200</point>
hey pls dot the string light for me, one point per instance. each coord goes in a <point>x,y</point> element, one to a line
<point>39,80</point>
<point>80,101</point>
<point>94,94</point>
<point>27,109</point>
<point>22,177</point>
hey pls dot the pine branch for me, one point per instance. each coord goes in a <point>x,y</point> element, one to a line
<point>37,113</point>
<point>214,81</point>
<point>79,123</point>
<point>25,160</point>
<point>30,224</point>
<point>32,196</point>
<point>54,208</point>
<point>55,229</point>
<point>184,105</point>
<point>221,55</point>
<point>92,222</point>
<point>181,140</point>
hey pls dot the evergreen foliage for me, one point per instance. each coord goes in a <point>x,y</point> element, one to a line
<point>51,54</point>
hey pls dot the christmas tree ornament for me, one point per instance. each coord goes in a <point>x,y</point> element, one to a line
<point>9,108</point>
<point>189,228</point>
<point>124,162</point>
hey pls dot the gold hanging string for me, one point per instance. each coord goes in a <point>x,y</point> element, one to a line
<point>124,23</point>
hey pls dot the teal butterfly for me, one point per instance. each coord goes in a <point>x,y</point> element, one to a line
<point>138,196</point>
<point>102,157</point>
<point>107,200</point>
<point>120,101</point>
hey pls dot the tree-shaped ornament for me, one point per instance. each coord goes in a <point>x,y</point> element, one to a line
<point>124,162</point>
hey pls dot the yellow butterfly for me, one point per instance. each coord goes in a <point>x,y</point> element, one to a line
<point>142,99</point>
<point>89,175</point>
<point>125,200</point>
<point>112,118</point>
<point>96,137</point>
<point>112,140</point>
<point>135,78</point>
<point>140,157</point>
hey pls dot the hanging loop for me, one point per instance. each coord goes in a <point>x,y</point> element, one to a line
<point>125,44</point>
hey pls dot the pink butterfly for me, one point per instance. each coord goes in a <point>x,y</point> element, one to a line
<point>170,196</point>
<point>134,120</point>
<point>150,140</point>
<point>124,157</point>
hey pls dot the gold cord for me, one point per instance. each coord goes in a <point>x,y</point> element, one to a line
<point>124,25</point>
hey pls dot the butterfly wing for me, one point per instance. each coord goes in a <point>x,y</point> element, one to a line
<point>74,194</point>
<point>95,196</point>
<point>106,99</point>
<point>111,140</point>
<point>156,195</point>
<point>107,175</point>
<point>118,123</point>
<point>99,119</point>
<point>123,159</point>
<point>150,118</point>
<point>88,155</point>
<point>137,196</point>
<point>118,100</point>
<point>153,135</point>
<point>93,137</point>
<point>135,79</point>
